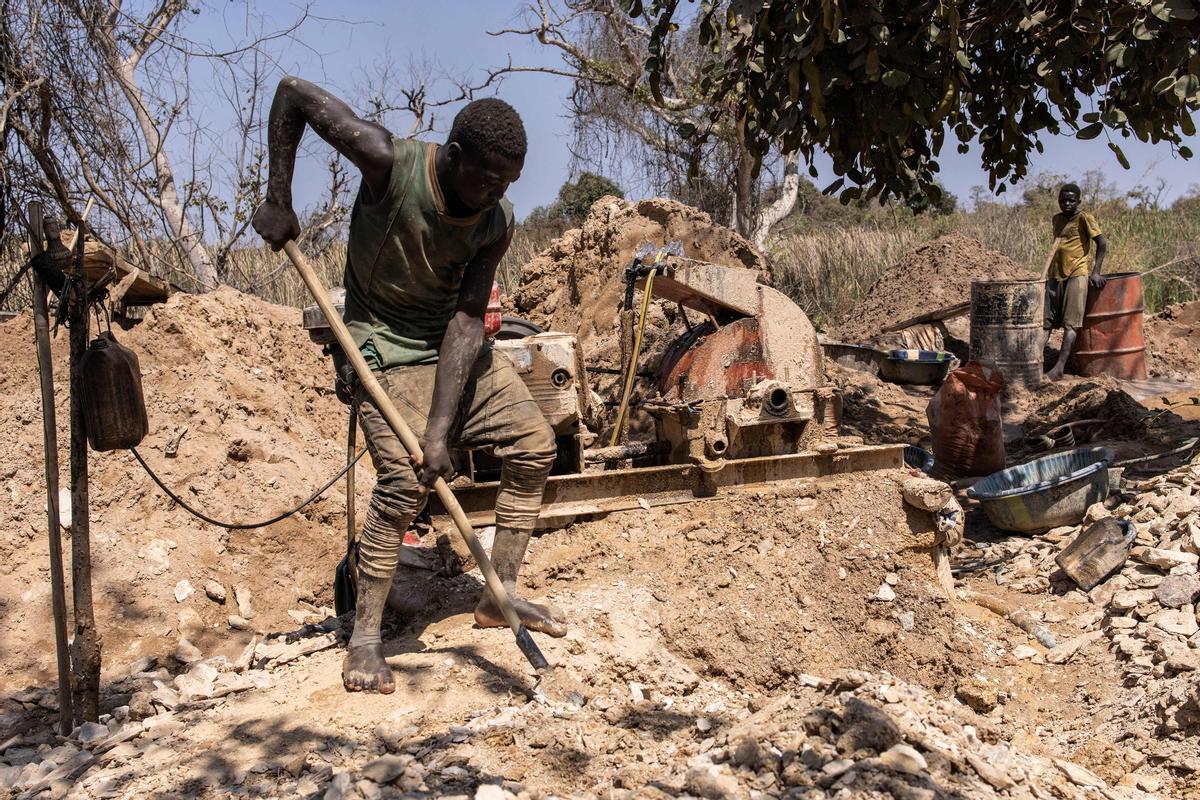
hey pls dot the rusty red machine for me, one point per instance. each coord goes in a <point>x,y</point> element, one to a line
<point>738,400</point>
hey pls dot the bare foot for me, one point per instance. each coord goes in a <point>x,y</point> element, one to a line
<point>364,670</point>
<point>534,617</point>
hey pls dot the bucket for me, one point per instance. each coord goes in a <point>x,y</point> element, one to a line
<point>1111,341</point>
<point>1006,328</point>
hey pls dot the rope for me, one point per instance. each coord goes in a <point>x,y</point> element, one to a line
<point>241,526</point>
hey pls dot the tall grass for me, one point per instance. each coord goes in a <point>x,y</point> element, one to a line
<point>828,272</point>
<point>827,269</point>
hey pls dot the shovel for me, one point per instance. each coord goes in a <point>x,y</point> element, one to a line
<point>524,641</point>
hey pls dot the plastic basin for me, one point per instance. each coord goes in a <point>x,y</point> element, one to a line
<point>923,373</point>
<point>918,458</point>
<point>854,356</point>
<point>1047,492</point>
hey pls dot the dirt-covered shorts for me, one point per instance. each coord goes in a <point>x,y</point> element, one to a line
<point>1065,302</point>
<point>496,412</point>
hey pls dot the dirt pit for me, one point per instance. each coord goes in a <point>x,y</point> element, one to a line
<point>936,274</point>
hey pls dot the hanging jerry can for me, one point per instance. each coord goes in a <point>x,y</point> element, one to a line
<point>114,409</point>
<point>491,319</point>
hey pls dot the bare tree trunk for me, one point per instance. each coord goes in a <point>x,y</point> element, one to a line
<point>743,185</point>
<point>770,216</point>
<point>167,196</point>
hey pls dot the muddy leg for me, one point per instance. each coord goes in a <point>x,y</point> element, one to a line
<point>508,554</point>
<point>364,669</point>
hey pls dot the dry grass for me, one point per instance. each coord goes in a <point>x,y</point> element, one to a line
<point>828,270</point>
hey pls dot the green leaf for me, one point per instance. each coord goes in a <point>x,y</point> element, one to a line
<point>895,78</point>
<point>1090,131</point>
<point>1119,153</point>
<point>1185,151</point>
<point>1165,85</point>
<point>963,61</point>
<point>834,187</point>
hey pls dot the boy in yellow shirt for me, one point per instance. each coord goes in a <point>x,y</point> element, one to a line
<point>1078,234</point>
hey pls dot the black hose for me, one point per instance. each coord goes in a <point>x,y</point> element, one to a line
<point>234,526</point>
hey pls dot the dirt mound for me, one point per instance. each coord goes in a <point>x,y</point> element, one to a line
<point>784,581</point>
<point>1173,342</point>
<point>574,285</point>
<point>936,274</point>
<point>252,398</point>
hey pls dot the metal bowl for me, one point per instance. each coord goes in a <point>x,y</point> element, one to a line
<point>1047,492</point>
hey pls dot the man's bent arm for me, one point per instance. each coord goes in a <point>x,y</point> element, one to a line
<point>297,103</point>
<point>1101,250</point>
<point>460,348</point>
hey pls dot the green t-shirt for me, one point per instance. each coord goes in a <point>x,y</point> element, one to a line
<point>405,260</point>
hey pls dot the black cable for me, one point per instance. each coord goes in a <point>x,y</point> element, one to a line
<point>243,526</point>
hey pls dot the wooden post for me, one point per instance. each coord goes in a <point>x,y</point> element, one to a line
<point>86,647</point>
<point>58,594</point>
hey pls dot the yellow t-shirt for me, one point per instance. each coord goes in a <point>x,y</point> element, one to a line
<point>1075,236</point>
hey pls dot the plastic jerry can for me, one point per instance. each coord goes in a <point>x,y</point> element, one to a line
<point>1097,552</point>
<point>114,409</point>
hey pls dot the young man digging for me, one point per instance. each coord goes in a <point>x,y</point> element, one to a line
<point>1076,232</point>
<point>428,228</point>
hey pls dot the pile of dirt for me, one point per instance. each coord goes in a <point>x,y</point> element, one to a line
<point>575,284</point>
<point>1173,342</point>
<point>938,273</point>
<point>249,398</point>
<point>1100,398</point>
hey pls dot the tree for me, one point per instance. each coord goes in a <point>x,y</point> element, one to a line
<point>103,89</point>
<point>684,145</point>
<point>878,86</point>
<point>576,197</point>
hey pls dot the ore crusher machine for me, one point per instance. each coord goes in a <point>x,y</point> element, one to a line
<point>738,400</point>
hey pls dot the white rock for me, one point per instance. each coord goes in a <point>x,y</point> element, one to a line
<point>904,758</point>
<point>238,623</point>
<point>1131,599</point>
<point>215,591</point>
<point>1080,776</point>
<point>637,691</point>
<point>1164,559</point>
<point>187,652</point>
<point>885,594</point>
<point>183,590</point>
<point>1024,652</point>
<point>242,595</point>
<point>908,620</point>
<point>490,791</point>
<point>891,579</point>
<point>1177,622</point>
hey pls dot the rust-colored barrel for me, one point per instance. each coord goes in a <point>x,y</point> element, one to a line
<point>1006,328</point>
<point>1111,341</point>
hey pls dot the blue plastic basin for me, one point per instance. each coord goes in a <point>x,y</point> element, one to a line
<point>1047,492</point>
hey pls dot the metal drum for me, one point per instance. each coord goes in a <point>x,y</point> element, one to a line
<point>1006,328</point>
<point>1111,341</point>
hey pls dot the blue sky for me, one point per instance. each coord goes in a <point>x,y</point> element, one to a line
<point>347,37</point>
